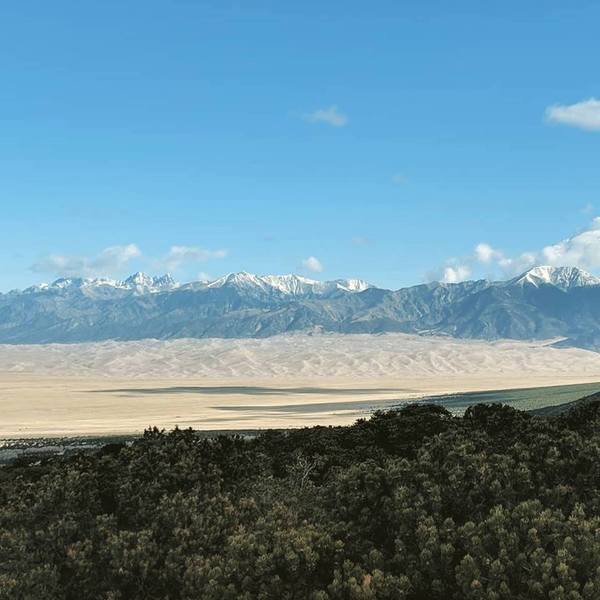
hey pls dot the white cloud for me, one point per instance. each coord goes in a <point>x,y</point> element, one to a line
<point>485,253</point>
<point>455,270</point>
<point>312,264</point>
<point>114,260</point>
<point>116,257</point>
<point>110,260</point>
<point>455,274</point>
<point>179,255</point>
<point>580,250</point>
<point>513,265</point>
<point>585,114</point>
<point>331,115</point>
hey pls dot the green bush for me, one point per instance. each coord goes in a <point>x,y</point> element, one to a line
<point>413,504</point>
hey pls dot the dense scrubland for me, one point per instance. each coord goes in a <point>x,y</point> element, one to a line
<point>413,504</point>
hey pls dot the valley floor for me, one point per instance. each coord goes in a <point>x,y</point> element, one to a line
<point>285,381</point>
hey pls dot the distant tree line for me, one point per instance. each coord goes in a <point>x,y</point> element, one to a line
<point>414,504</point>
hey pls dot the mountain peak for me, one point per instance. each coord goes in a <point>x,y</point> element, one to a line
<point>353,285</point>
<point>290,284</point>
<point>164,281</point>
<point>66,282</point>
<point>143,280</point>
<point>240,279</point>
<point>246,305</point>
<point>564,278</point>
<point>140,278</point>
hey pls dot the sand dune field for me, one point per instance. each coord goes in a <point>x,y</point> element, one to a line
<point>290,380</point>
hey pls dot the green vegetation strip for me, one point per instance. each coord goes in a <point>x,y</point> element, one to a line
<point>522,399</point>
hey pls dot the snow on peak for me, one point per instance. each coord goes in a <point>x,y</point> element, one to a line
<point>564,278</point>
<point>137,283</point>
<point>148,282</point>
<point>353,285</point>
<point>291,284</point>
<point>297,285</point>
<point>66,283</point>
<point>165,281</point>
<point>241,279</point>
<point>142,283</point>
<point>139,278</point>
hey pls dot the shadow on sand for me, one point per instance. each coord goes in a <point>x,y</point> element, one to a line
<point>248,390</point>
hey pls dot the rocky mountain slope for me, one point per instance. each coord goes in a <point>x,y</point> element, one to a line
<point>542,303</point>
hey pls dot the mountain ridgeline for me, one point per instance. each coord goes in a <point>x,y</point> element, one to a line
<point>545,302</point>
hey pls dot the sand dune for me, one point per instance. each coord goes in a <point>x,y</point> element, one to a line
<point>297,356</point>
<point>282,381</point>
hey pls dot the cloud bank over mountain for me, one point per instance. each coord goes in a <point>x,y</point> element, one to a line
<point>581,250</point>
<point>110,260</point>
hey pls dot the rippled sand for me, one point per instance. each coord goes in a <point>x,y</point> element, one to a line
<point>290,380</point>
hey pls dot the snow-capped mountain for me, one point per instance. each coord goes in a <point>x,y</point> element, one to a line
<point>544,302</point>
<point>140,283</point>
<point>564,278</point>
<point>292,285</point>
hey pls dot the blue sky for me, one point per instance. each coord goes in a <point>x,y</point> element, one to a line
<point>377,140</point>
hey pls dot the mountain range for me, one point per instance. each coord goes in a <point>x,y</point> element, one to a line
<point>545,302</point>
